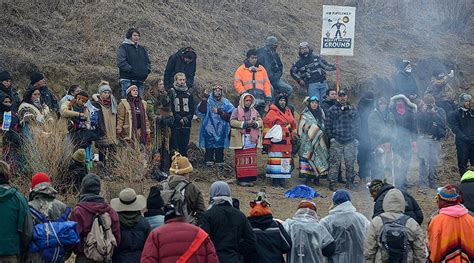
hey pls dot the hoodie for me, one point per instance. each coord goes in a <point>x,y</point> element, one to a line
<point>84,213</point>
<point>394,207</point>
<point>451,235</point>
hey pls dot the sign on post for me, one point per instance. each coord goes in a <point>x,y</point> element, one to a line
<point>338,30</point>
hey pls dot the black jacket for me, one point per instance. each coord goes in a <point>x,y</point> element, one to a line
<point>365,107</point>
<point>405,84</point>
<point>311,69</point>
<point>462,124</point>
<point>230,231</point>
<point>133,61</point>
<point>13,94</point>
<point>326,104</point>
<point>176,64</point>
<point>48,98</point>
<point>412,209</point>
<point>467,190</point>
<point>271,62</point>
<point>432,123</point>
<point>182,105</point>
<point>272,240</point>
<point>133,240</point>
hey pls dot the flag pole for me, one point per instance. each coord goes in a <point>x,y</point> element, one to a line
<point>338,74</point>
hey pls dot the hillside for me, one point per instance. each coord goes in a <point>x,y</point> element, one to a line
<point>75,41</point>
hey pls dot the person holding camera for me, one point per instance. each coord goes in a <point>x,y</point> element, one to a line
<point>431,124</point>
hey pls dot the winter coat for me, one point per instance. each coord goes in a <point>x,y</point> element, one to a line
<point>237,137</point>
<point>348,228</point>
<point>9,135</point>
<point>106,121</point>
<point>230,231</point>
<point>215,128</point>
<point>72,116</point>
<point>13,94</point>
<point>381,126</point>
<point>309,238</point>
<point>343,125</point>
<point>310,68</point>
<point>441,90</point>
<point>462,124</point>
<point>271,62</point>
<point>168,242</point>
<point>393,205</point>
<point>43,200</point>
<point>182,106</point>
<point>288,126</point>
<point>133,235</point>
<point>48,98</point>
<point>451,235</point>
<point>405,125</point>
<point>16,223</point>
<point>76,172</point>
<point>405,84</point>
<point>34,118</point>
<point>271,238</point>
<point>155,221</point>
<point>326,105</point>
<point>124,120</point>
<point>253,82</point>
<point>365,107</point>
<point>84,213</point>
<point>467,189</point>
<point>66,98</point>
<point>192,195</point>
<point>412,209</point>
<point>133,61</point>
<point>176,64</point>
<point>432,124</point>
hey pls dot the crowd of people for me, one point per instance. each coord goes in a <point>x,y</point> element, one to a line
<point>331,135</point>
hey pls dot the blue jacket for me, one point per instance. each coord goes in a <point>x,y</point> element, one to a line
<point>215,127</point>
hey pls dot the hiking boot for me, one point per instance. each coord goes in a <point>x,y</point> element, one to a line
<point>332,186</point>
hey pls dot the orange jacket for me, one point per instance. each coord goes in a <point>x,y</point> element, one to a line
<point>451,235</point>
<point>244,79</point>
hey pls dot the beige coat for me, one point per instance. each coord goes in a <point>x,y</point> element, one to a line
<point>109,125</point>
<point>394,206</point>
<point>68,114</point>
<point>236,137</point>
<point>124,119</point>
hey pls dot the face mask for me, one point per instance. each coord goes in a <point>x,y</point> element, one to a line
<point>282,104</point>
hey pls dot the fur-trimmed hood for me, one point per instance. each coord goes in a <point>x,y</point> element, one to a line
<point>407,102</point>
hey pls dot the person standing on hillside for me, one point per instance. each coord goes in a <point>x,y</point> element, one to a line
<point>364,151</point>
<point>269,58</point>
<point>7,88</point>
<point>343,128</point>
<point>405,82</point>
<point>310,71</point>
<point>252,78</point>
<point>329,100</point>
<point>184,61</point>
<point>431,123</point>
<point>38,81</point>
<point>442,91</point>
<point>133,63</point>
<point>462,124</point>
<point>182,105</point>
<point>215,111</point>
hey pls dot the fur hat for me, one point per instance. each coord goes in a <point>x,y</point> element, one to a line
<point>35,77</point>
<point>128,200</point>
<point>180,165</point>
<point>39,178</point>
<point>308,204</point>
<point>79,155</point>
<point>271,41</point>
<point>4,75</point>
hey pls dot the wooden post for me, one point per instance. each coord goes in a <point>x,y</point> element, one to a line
<point>338,74</point>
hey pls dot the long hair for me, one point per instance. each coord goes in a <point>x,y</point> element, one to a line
<point>28,94</point>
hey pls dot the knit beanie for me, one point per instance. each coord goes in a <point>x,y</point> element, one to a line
<point>448,196</point>
<point>251,52</point>
<point>271,41</point>
<point>130,88</point>
<point>154,200</point>
<point>375,185</point>
<point>340,196</point>
<point>90,184</point>
<point>104,86</point>
<point>180,165</point>
<point>304,44</point>
<point>39,178</point>
<point>308,204</point>
<point>35,77</point>
<point>79,155</point>
<point>4,75</point>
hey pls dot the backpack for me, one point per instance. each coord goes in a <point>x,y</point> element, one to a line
<point>100,241</point>
<point>394,239</point>
<point>176,198</point>
<point>50,237</point>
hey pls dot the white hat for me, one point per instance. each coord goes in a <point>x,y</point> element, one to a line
<point>128,201</point>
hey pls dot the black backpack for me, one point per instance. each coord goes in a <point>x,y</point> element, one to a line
<point>394,239</point>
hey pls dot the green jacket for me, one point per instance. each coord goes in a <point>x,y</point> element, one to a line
<point>15,221</point>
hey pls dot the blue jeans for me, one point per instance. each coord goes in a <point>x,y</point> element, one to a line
<point>318,89</point>
<point>281,86</point>
<point>125,83</point>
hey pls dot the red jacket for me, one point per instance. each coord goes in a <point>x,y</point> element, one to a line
<point>288,127</point>
<point>169,241</point>
<point>84,213</point>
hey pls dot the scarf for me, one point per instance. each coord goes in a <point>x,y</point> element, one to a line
<point>136,102</point>
<point>401,108</point>
<point>180,88</point>
<point>129,218</point>
<point>241,116</point>
<point>109,103</point>
<point>219,200</point>
<point>90,197</point>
